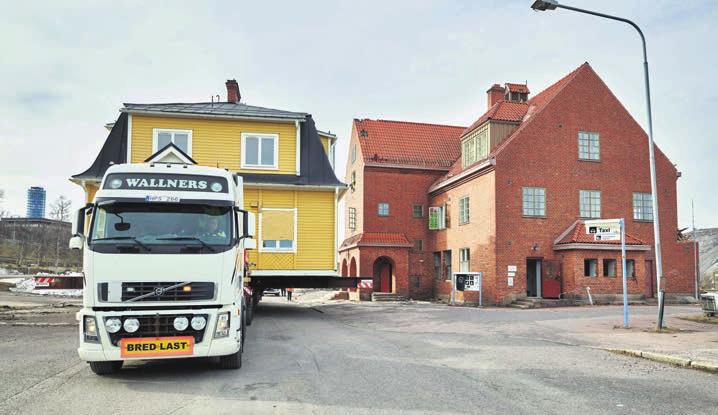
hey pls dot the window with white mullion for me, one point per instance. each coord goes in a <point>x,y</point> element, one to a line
<point>534,201</point>
<point>180,138</point>
<point>590,203</point>
<point>589,146</point>
<point>259,151</point>
<point>642,206</point>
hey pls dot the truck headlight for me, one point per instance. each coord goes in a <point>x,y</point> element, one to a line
<point>89,328</point>
<point>198,322</point>
<point>181,323</point>
<point>113,325</point>
<point>222,327</point>
<point>131,325</point>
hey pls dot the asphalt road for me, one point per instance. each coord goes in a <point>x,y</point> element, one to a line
<point>345,358</point>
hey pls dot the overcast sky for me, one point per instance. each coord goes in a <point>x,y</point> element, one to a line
<point>67,67</point>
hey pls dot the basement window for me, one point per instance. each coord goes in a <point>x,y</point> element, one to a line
<point>590,267</point>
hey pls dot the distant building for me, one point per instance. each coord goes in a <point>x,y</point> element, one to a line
<point>36,202</point>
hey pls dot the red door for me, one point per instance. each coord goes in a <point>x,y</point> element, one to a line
<point>385,277</point>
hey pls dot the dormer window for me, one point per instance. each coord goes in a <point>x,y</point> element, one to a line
<point>516,92</point>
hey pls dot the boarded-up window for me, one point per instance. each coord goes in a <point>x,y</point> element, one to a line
<point>278,229</point>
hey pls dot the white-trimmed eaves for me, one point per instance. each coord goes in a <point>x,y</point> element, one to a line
<point>481,166</point>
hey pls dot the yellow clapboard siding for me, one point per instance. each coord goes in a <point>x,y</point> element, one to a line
<point>326,142</point>
<point>316,217</point>
<point>216,142</point>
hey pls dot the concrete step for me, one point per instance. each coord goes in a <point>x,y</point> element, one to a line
<point>386,297</point>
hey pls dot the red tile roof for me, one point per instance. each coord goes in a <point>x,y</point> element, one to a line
<point>576,233</point>
<point>387,239</point>
<point>520,88</point>
<point>501,111</point>
<point>408,143</point>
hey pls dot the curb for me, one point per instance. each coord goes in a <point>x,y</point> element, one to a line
<point>29,324</point>
<point>704,365</point>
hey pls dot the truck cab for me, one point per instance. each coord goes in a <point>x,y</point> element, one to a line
<point>164,265</point>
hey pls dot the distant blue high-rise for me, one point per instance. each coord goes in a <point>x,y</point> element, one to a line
<point>36,202</point>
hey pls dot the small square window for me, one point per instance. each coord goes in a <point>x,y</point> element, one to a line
<point>642,206</point>
<point>590,267</point>
<point>589,203</point>
<point>418,211</point>
<point>589,147</point>
<point>259,151</point>
<point>383,209</point>
<point>609,267</point>
<point>534,201</point>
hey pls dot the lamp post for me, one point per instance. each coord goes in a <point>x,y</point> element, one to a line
<point>543,5</point>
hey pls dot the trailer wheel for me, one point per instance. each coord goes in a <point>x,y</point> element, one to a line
<point>106,368</point>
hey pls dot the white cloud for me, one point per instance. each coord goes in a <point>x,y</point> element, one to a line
<point>68,67</point>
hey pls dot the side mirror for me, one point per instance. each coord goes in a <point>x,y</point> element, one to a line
<point>250,243</point>
<point>249,224</point>
<point>78,221</point>
<point>77,242</point>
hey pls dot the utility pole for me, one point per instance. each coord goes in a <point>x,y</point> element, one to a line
<point>695,250</point>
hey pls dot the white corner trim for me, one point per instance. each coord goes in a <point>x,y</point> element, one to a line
<point>244,165</point>
<point>129,138</point>
<point>298,150</point>
<point>155,131</point>
<point>278,250</point>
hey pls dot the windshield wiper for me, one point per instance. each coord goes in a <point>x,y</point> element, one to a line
<point>188,238</point>
<point>124,238</point>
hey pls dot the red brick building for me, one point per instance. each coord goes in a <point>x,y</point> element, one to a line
<point>509,196</point>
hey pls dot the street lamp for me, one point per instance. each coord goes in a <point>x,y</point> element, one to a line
<point>543,5</point>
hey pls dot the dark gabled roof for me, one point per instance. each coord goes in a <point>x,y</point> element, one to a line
<point>174,147</point>
<point>315,169</point>
<point>114,151</point>
<point>227,109</point>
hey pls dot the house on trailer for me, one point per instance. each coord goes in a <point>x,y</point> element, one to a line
<point>525,177</point>
<point>286,164</point>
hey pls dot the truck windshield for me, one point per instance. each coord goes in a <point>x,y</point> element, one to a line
<point>161,224</point>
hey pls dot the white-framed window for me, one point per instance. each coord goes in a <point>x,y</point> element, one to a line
<point>464,210</point>
<point>464,257</point>
<point>534,201</point>
<point>590,203</point>
<point>278,230</point>
<point>437,217</point>
<point>352,218</point>
<point>475,147</point>
<point>589,146</point>
<point>161,137</point>
<point>260,151</point>
<point>469,151</point>
<point>642,206</point>
<point>382,209</point>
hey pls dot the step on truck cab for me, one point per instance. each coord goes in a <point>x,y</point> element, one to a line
<point>164,265</point>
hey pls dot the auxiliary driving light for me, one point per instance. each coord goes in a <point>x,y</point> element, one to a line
<point>198,322</point>
<point>113,325</point>
<point>131,325</point>
<point>181,323</point>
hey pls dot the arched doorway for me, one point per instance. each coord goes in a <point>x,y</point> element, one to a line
<point>353,268</point>
<point>384,275</point>
<point>345,268</point>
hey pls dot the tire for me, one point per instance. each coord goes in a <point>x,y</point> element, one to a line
<point>234,361</point>
<point>249,311</point>
<point>106,368</point>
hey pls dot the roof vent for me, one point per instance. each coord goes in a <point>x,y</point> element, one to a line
<point>363,133</point>
<point>516,92</point>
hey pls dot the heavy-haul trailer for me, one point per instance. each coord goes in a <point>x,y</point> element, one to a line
<point>164,266</point>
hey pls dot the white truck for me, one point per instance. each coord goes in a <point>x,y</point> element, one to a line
<point>164,265</point>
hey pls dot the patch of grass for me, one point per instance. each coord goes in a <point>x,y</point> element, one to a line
<point>701,318</point>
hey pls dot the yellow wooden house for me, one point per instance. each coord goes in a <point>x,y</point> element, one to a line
<point>286,163</point>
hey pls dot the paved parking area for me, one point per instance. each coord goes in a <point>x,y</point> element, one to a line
<point>362,358</point>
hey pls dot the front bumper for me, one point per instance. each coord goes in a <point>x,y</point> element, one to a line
<point>209,346</point>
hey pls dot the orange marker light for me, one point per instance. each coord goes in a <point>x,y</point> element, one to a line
<point>187,288</point>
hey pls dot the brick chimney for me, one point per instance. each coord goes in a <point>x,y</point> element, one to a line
<point>233,94</point>
<point>495,94</point>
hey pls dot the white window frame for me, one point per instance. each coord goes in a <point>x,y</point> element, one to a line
<point>464,260</point>
<point>378,209</point>
<point>588,136</point>
<point>173,131</point>
<point>352,218</point>
<point>464,210</point>
<point>291,250</point>
<point>537,203</point>
<point>590,210</point>
<point>261,136</point>
<point>641,211</point>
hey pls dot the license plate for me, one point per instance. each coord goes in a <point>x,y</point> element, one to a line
<point>168,199</point>
<point>156,346</point>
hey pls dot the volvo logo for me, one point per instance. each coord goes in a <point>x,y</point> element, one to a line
<point>159,291</point>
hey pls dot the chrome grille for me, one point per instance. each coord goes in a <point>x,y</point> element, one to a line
<point>161,291</point>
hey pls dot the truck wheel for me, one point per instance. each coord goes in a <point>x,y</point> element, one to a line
<point>106,368</point>
<point>249,310</point>
<point>232,361</point>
